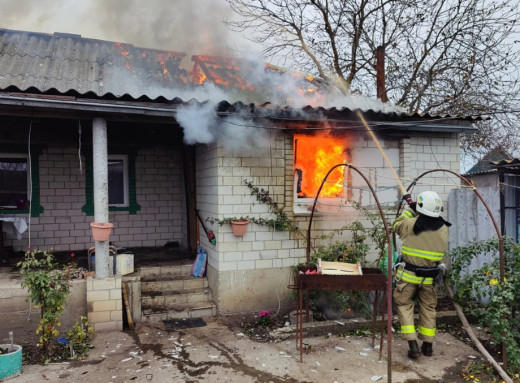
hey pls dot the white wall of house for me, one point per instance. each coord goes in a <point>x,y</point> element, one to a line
<point>252,273</point>
<point>64,227</point>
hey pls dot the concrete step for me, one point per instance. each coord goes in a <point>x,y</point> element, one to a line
<point>173,269</point>
<point>160,272</point>
<point>172,283</point>
<point>171,292</point>
<point>170,298</point>
<point>179,311</point>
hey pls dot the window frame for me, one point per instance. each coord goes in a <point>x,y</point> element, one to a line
<point>124,158</point>
<point>28,190</point>
<point>132,207</point>
<point>33,173</point>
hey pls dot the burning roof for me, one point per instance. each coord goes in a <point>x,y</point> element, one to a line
<point>65,64</point>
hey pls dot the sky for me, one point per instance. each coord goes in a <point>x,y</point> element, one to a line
<point>190,26</point>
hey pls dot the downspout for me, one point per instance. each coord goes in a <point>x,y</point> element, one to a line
<point>100,162</point>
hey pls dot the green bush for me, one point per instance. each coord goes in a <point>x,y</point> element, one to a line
<point>494,302</point>
<point>48,285</point>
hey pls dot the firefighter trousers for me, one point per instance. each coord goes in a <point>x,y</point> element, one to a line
<point>404,299</point>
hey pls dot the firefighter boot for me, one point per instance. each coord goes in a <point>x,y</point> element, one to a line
<point>413,352</point>
<point>427,349</point>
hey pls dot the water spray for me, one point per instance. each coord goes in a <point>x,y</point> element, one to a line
<point>387,161</point>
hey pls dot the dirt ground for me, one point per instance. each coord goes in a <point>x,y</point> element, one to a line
<point>219,351</point>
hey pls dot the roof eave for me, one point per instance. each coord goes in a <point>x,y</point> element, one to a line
<point>70,106</point>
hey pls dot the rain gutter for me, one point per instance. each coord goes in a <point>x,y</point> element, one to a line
<point>85,106</point>
<point>45,106</point>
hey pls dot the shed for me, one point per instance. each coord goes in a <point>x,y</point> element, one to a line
<point>501,173</point>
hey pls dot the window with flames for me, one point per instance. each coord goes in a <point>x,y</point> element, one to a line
<point>314,156</point>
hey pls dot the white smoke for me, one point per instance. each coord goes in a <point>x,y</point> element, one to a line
<point>190,26</point>
<point>201,124</point>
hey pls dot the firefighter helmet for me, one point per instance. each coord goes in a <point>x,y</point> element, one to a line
<point>429,203</point>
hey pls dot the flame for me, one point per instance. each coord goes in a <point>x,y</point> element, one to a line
<point>124,53</point>
<point>230,72</point>
<point>122,50</point>
<point>202,78</point>
<point>315,155</point>
<point>161,57</point>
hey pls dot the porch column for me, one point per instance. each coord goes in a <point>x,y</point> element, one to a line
<point>100,161</point>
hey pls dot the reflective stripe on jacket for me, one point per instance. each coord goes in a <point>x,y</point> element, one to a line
<point>425,249</point>
<point>410,277</point>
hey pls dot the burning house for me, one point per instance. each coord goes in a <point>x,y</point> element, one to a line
<point>173,138</point>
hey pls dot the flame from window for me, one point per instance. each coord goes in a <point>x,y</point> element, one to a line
<point>314,156</point>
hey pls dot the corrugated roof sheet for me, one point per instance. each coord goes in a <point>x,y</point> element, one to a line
<point>493,157</point>
<point>509,162</point>
<point>69,64</point>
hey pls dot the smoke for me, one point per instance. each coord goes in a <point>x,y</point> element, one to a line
<point>192,27</point>
<point>201,125</point>
<point>176,25</point>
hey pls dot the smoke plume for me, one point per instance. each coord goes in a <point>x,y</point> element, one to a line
<point>176,25</point>
<point>201,124</point>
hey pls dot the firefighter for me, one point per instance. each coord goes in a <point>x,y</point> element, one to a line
<point>424,235</point>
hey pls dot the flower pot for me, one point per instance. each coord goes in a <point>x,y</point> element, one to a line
<point>239,228</point>
<point>101,230</point>
<point>10,360</point>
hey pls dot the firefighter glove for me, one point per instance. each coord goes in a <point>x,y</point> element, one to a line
<point>408,199</point>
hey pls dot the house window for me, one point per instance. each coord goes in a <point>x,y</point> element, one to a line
<point>121,181</point>
<point>20,179</point>
<point>318,153</point>
<point>14,181</point>
<point>314,156</point>
<point>117,180</point>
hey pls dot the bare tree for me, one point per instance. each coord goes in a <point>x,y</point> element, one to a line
<point>445,56</point>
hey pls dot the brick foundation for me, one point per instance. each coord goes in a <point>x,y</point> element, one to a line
<point>104,304</point>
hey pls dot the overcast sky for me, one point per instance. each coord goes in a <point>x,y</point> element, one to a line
<point>190,26</point>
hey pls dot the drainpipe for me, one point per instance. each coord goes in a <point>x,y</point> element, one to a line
<point>100,161</point>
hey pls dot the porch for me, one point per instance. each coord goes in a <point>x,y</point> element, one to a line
<point>161,287</point>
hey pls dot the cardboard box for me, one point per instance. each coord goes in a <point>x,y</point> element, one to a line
<point>124,264</point>
<point>341,268</point>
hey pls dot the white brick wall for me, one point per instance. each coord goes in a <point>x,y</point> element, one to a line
<point>273,170</point>
<point>64,227</point>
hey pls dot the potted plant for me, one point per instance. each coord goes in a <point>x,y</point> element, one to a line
<point>238,225</point>
<point>101,230</point>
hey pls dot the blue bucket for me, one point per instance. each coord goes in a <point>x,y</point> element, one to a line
<point>10,363</point>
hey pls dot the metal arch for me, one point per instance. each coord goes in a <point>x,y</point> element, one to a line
<point>389,267</point>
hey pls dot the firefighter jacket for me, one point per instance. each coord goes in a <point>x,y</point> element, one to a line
<point>424,250</point>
